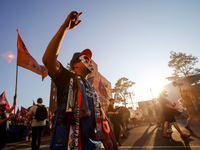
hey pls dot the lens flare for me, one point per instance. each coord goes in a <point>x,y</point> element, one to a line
<point>9,56</point>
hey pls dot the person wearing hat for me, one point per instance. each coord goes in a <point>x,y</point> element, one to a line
<point>37,125</point>
<point>113,113</point>
<point>78,119</point>
<point>4,125</point>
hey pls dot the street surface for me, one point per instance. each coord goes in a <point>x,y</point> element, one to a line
<point>143,137</point>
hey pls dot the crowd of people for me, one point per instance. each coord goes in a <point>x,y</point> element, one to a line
<point>159,110</point>
<point>79,121</point>
<point>26,119</point>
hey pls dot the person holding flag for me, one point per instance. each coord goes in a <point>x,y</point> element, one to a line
<point>4,117</point>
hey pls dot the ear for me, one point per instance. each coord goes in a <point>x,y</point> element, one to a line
<point>75,65</point>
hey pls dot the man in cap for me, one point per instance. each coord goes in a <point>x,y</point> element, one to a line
<point>4,117</point>
<point>37,125</point>
<point>78,119</point>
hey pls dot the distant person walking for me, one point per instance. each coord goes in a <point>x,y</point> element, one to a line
<point>168,114</point>
<point>158,112</point>
<point>150,113</point>
<point>188,101</point>
<point>39,113</point>
<point>113,113</point>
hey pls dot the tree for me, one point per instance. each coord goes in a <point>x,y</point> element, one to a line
<point>183,65</point>
<point>121,87</point>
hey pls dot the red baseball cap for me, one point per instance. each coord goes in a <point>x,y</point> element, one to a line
<point>86,52</point>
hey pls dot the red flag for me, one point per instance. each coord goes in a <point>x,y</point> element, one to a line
<point>4,100</point>
<point>14,109</point>
<point>25,60</point>
<point>18,113</point>
<point>24,111</point>
<point>34,103</point>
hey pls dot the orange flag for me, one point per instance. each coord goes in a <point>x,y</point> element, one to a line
<point>25,60</point>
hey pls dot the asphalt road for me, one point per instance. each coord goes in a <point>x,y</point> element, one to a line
<point>143,137</point>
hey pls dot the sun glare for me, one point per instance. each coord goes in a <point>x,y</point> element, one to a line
<point>156,85</point>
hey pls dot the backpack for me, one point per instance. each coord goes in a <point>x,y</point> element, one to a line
<point>41,113</point>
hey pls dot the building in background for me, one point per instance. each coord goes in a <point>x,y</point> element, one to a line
<point>190,83</point>
<point>100,83</point>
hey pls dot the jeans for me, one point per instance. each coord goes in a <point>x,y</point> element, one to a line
<point>36,137</point>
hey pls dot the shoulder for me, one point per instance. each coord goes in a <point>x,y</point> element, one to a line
<point>63,76</point>
<point>32,109</point>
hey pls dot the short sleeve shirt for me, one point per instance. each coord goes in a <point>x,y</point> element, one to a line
<point>36,123</point>
<point>163,101</point>
<point>88,123</point>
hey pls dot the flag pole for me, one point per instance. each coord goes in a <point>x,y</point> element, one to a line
<point>151,93</point>
<point>16,70</point>
<point>16,78</point>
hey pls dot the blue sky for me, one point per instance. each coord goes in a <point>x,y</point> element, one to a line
<point>131,39</point>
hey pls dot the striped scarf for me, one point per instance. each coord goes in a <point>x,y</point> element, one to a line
<point>80,108</point>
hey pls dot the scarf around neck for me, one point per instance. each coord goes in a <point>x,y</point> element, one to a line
<point>80,108</point>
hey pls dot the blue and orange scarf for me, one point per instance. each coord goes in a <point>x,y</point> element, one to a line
<point>79,108</point>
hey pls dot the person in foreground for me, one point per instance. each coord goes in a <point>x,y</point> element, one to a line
<point>4,125</point>
<point>80,121</point>
<point>168,114</point>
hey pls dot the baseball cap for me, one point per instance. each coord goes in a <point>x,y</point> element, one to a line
<point>76,55</point>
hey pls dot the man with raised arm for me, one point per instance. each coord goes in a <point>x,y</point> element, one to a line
<point>78,123</point>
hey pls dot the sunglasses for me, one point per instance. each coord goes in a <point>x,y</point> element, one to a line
<point>79,60</point>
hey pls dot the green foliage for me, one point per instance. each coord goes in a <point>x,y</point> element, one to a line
<point>183,65</point>
<point>121,87</point>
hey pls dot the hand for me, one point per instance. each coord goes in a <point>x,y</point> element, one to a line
<point>72,20</point>
<point>13,115</point>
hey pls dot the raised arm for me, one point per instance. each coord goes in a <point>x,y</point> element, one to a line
<point>14,103</point>
<point>50,56</point>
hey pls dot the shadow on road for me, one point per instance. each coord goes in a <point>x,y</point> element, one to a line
<point>145,138</point>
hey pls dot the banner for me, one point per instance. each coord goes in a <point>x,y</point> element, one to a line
<point>25,60</point>
<point>102,89</point>
<point>24,111</point>
<point>3,99</point>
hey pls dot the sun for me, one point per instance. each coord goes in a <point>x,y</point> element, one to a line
<point>156,85</point>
